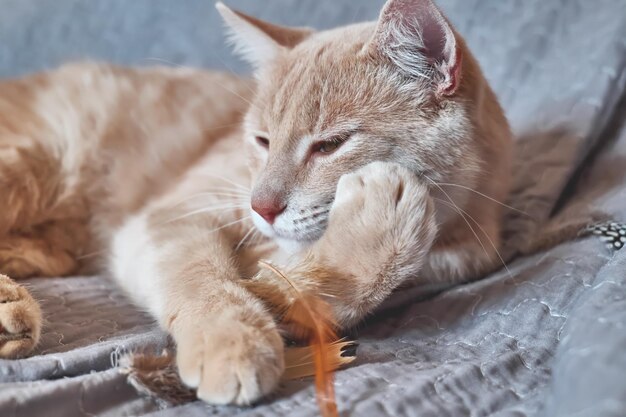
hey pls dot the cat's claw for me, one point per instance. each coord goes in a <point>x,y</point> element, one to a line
<point>20,320</point>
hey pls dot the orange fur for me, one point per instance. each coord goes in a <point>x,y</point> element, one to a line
<point>149,173</point>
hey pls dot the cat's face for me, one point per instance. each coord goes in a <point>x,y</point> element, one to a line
<point>328,103</point>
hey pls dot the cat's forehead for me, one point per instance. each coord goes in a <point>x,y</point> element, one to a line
<point>327,81</point>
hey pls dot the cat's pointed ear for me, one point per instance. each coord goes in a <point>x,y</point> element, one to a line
<point>257,41</point>
<point>418,39</point>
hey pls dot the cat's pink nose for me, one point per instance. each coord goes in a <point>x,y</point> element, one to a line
<point>269,209</point>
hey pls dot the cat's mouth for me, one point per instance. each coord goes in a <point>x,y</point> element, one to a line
<point>296,229</point>
<point>305,229</point>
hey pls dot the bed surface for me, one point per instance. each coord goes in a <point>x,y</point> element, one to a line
<point>544,337</point>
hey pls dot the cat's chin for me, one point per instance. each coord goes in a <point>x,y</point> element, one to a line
<point>292,246</point>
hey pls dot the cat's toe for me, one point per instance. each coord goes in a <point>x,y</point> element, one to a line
<point>20,320</point>
<point>377,188</point>
<point>231,363</point>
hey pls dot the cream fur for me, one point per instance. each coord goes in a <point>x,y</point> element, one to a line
<point>149,173</point>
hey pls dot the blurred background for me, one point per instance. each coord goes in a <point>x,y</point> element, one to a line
<point>38,34</point>
<point>522,46</point>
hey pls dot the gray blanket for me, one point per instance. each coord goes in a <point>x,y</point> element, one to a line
<point>545,336</point>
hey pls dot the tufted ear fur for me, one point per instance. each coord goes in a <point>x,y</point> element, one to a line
<point>257,41</point>
<point>418,39</point>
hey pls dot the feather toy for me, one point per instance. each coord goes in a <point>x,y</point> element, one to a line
<point>299,309</point>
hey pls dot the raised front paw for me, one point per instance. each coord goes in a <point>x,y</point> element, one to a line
<point>382,215</point>
<point>228,361</point>
<point>20,320</point>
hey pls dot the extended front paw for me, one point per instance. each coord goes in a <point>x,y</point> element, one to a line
<point>382,215</point>
<point>229,361</point>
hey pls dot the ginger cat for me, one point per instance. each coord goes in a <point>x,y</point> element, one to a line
<point>369,156</point>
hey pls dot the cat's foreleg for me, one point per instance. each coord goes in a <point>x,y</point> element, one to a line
<point>228,346</point>
<point>380,230</point>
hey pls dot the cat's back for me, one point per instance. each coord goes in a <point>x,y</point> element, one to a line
<point>115,135</point>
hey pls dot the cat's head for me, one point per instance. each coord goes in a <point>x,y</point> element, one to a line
<point>330,102</point>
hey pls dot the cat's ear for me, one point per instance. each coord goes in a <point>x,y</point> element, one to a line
<point>418,39</point>
<point>257,41</point>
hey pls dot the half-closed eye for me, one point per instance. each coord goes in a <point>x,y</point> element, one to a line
<point>262,141</point>
<point>327,147</point>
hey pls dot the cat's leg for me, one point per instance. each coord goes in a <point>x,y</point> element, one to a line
<point>23,257</point>
<point>46,251</point>
<point>38,233</point>
<point>50,249</point>
<point>20,320</point>
<point>29,183</point>
<point>381,228</point>
<point>29,180</point>
<point>184,273</point>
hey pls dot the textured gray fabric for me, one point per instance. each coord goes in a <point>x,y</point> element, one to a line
<point>544,338</point>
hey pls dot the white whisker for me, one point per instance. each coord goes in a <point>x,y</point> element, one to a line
<point>91,254</point>
<point>463,213</point>
<point>209,174</point>
<point>222,194</point>
<point>229,189</point>
<point>165,61</point>
<point>241,242</point>
<point>210,209</point>
<point>447,184</point>
<point>243,219</point>
<point>240,200</point>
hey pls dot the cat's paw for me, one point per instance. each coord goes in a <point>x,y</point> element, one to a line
<point>20,320</point>
<point>382,213</point>
<point>230,362</point>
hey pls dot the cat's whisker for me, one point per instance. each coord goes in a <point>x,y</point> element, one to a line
<point>165,61</point>
<point>210,129</point>
<point>230,189</point>
<point>256,237</point>
<point>232,71</point>
<point>464,213</point>
<point>91,254</point>
<point>241,242</point>
<point>327,295</point>
<point>447,184</point>
<point>238,95</point>
<point>242,200</point>
<point>243,219</point>
<point>241,197</point>
<point>210,209</point>
<point>219,177</point>
<point>457,209</point>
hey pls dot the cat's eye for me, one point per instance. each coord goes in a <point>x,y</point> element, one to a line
<point>329,146</point>
<point>263,141</point>
<point>326,147</point>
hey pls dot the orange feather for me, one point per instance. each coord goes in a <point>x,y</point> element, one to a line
<point>311,319</point>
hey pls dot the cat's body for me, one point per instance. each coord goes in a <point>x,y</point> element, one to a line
<point>148,173</point>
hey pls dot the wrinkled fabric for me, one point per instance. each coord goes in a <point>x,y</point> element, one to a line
<point>543,337</point>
